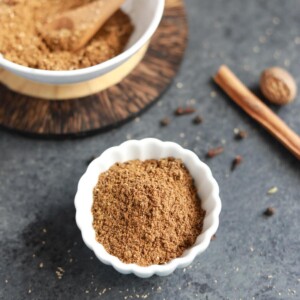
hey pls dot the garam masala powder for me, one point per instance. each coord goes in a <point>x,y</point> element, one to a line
<point>147,212</point>
<point>22,42</point>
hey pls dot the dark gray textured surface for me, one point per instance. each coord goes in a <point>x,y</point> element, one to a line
<point>252,257</point>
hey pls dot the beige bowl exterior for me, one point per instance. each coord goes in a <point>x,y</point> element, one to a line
<point>70,91</point>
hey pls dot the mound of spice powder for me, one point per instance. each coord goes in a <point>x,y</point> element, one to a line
<point>147,212</point>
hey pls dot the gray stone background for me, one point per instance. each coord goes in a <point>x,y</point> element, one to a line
<point>252,258</point>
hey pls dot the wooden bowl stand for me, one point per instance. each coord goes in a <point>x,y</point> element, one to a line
<point>102,103</point>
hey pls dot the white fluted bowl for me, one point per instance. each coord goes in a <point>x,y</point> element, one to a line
<point>208,191</point>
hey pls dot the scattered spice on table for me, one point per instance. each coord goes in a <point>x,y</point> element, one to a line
<point>147,212</point>
<point>240,134</point>
<point>214,237</point>
<point>236,161</point>
<point>60,272</point>
<point>273,190</point>
<point>165,122</point>
<point>214,152</point>
<point>181,111</point>
<point>179,85</point>
<point>270,211</point>
<point>198,120</point>
<point>213,94</point>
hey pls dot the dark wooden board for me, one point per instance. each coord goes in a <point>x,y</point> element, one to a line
<point>113,106</point>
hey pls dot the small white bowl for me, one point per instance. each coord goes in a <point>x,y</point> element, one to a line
<point>145,15</point>
<point>206,185</point>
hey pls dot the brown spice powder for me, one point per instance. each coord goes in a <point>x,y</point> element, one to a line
<point>22,43</point>
<point>147,212</point>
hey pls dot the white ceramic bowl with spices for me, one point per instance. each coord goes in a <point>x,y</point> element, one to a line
<point>207,187</point>
<point>145,16</point>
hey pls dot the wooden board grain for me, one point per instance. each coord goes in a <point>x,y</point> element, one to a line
<point>113,106</point>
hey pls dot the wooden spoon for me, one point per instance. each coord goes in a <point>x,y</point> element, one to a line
<point>73,29</point>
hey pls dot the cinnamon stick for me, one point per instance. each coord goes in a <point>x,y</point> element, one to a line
<point>256,109</point>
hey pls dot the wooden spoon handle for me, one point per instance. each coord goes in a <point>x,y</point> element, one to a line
<point>255,108</point>
<point>83,23</point>
<point>91,17</point>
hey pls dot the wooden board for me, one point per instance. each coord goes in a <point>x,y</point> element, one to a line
<point>113,106</point>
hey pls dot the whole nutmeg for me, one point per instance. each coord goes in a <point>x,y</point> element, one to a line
<point>278,85</point>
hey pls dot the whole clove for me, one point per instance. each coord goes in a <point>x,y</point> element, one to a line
<point>197,120</point>
<point>269,212</point>
<point>181,111</point>
<point>165,122</point>
<point>237,161</point>
<point>214,152</point>
<point>240,134</point>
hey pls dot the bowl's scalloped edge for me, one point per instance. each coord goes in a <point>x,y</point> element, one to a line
<point>202,241</point>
